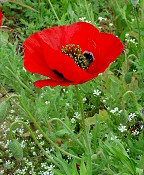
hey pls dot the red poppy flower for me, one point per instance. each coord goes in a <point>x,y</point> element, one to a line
<point>70,55</point>
<point>1,17</point>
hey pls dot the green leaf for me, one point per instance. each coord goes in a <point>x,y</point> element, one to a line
<point>62,132</point>
<point>16,149</point>
<point>4,110</point>
<point>83,170</point>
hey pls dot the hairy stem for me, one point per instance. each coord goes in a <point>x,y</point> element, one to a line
<point>54,11</point>
<point>85,132</point>
<point>69,130</point>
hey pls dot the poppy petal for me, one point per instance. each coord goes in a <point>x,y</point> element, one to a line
<point>53,83</point>
<point>34,59</point>
<point>1,17</point>
<point>109,48</point>
<point>54,37</point>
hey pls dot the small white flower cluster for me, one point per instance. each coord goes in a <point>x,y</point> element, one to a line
<point>1,172</point>
<point>84,99</point>
<point>48,169</point>
<point>21,171</point>
<point>75,117</point>
<point>18,118</point>
<point>6,145</point>
<point>110,24</point>
<point>67,105</point>
<point>40,136</point>
<point>9,164</point>
<point>20,130</point>
<point>3,126</point>
<point>93,106</point>
<point>102,19</point>
<point>23,143</point>
<point>49,150</point>
<point>122,128</point>
<point>115,110</point>
<point>12,111</point>
<point>131,116</point>
<point>47,102</point>
<point>113,138</point>
<point>126,35</point>
<point>130,40</point>
<point>135,132</point>
<point>42,95</point>
<point>97,92</point>
<point>84,20</point>
<point>24,170</point>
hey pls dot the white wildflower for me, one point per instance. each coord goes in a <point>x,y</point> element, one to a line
<point>47,102</point>
<point>84,99</point>
<point>135,132</point>
<point>73,120</point>
<point>114,110</point>
<point>101,18</point>
<point>131,116</point>
<point>76,115</point>
<point>97,92</point>
<point>110,24</point>
<point>127,34</point>
<point>12,111</point>
<point>82,18</point>
<point>122,128</point>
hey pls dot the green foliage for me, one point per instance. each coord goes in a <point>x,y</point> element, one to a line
<point>113,103</point>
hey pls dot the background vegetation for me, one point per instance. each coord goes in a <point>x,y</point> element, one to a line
<point>113,103</point>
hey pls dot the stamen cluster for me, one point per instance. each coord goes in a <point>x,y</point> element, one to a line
<point>75,52</point>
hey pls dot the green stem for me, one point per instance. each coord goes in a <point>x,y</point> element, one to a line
<point>139,34</point>
<point>72,135</point>
<point>54,11</point>
<point>121,12</point>
<point>87,10</point>
<point>34,137</point>
<point>39,128</point>
<point>20,82</point>
<point>127,62</point>
<point>85,132</point>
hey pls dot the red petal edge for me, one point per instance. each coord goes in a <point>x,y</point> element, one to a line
<point>53,83</point>
<point>1,17</point>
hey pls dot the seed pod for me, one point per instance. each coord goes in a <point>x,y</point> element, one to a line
<point>128,77</point>
<point>16,150</point>
<point>4,110</point>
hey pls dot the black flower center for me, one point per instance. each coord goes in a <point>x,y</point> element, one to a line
<point>83,60</point>
<point>58,73</point>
